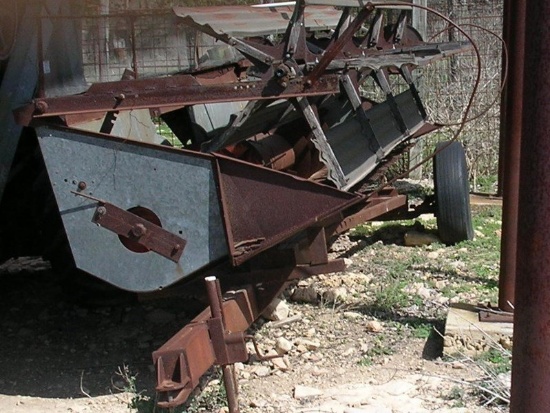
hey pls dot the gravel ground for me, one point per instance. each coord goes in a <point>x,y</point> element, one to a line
<point>346,344</point>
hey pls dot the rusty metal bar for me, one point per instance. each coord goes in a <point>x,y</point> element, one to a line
<point>531,352</point>
<point>376,207</point>
<point>135,229</point>
<point>335,48</point>
<point>230,382</point>
<point>511,141</point>
<point>174,91</point>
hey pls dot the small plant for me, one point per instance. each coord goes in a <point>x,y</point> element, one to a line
<point>211,399</point>
<point>422,330</point>
<point>379,348</point>
<point>456,394</point>
<point>496,360</point>
<point>139,402</point>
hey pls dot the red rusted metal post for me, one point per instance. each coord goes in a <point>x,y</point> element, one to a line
<point>231,387</point>
<point>514,29</point>
<point>531,354</point>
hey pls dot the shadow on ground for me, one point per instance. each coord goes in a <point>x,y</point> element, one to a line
<point>55,348</point>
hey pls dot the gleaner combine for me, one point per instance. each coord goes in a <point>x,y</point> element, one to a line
<point>277,151</point>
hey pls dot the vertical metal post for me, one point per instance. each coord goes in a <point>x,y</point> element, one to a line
<point>512,104</point>
<point>231,387</point>
<point>420,23</point>
<point>531,353</point>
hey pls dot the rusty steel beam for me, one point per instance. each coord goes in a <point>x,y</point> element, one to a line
<point>511,144</point>
<point>376,206</point>
<point>174,91</point>
<point>531,352</point>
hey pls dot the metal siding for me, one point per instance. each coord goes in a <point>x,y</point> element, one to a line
<point>178,187</point>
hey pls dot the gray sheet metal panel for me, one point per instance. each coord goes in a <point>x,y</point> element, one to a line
<point>244,21</point>
<point>179,187</point>
<point>352,148</point>
<point>212,116</point>
<point>20,80</point>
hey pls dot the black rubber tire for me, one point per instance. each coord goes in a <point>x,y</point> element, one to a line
<point>452,193</point>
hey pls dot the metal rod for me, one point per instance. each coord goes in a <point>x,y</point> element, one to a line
<point>230,382</point>
<point>231,388</point>
<point>511,141</point>
<point>531,352</point>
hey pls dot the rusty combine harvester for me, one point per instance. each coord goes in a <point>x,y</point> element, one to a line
<point>278,150</point>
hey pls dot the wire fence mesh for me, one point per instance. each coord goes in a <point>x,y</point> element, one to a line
<point>447,85</point>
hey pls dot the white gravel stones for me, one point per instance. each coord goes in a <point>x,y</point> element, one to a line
<point>276,311</point>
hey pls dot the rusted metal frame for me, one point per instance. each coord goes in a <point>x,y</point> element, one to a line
<point>326,154</point>
<point>295,30</point>
<point>376,207</point>
<point>229,346</point>
<point>188,355</point>
<point>400,27</point>
<point>351,89</point>
<point>176,91</point>
<point>220,141</point>
<point>335,48</point>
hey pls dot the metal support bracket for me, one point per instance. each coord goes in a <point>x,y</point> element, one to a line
<point>148,235</point>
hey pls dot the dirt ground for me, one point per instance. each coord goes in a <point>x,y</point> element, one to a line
<point>58,356</point>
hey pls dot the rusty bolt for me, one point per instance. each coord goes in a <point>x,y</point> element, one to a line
<point>40,106</point>
<point>176,248</point>
<point>82,185</point>
<point>139,230</point>
<point>309,83</point>
<point>101,210</point>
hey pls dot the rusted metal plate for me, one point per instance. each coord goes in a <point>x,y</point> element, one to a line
<point>262,207</point>
<point>246,21</point>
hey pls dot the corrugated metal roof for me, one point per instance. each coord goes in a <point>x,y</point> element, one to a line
<point>246,21</point>
<point>380,4</point>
